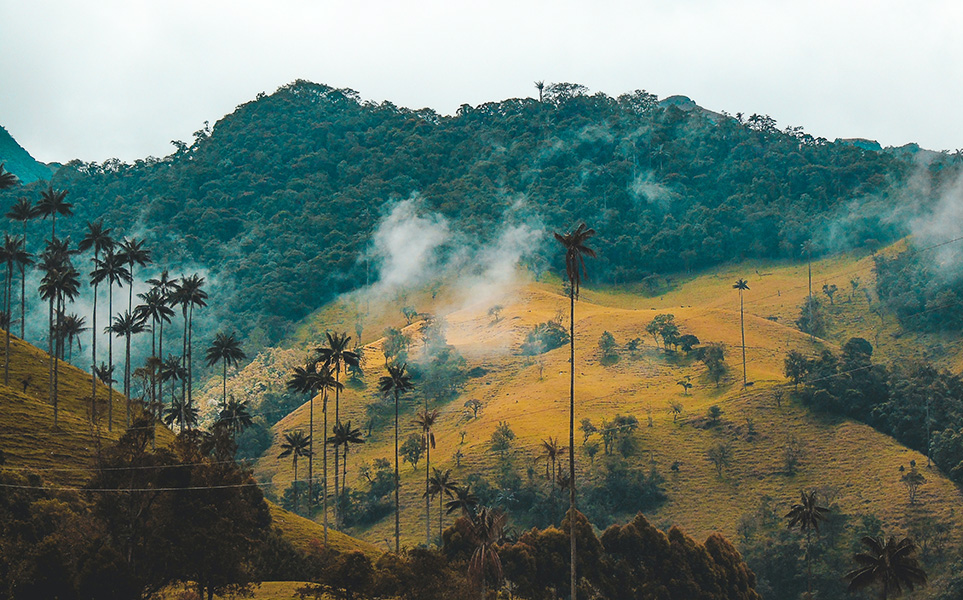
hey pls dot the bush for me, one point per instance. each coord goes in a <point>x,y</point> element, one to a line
<point>543,338</point>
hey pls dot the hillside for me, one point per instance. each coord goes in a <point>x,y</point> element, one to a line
<point>65,456</point>
<point>851,463</point>
<point>296,181</point>
<point>19,162</point>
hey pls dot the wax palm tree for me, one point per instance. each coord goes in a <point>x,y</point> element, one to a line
<point>112,270</point>
<point>105,374</point>
<point>575,252</point>
<point>234,416</point>
<point>552,453</point>
<point>338,356</point>
<point>60,283</point>
<point>426,422</point>
<point>165,287</point>
<point>7,179</point>
<point>397,381</point>
<point>225,349</point>
<point>98,238</point>
<point>464,501</point>
<point>743,286</point>
<point>295,445</point>
<point>441,484</point>
<point>181,412</point>
<point>189,294</point>
<point>806,515</point>
<point>126,325</point>
<point>889,564</point>
<point>155,308</point>
<point>71,327</point>
<point>343,436</point>
<point>807,247</point>
<point>22,212</point>
<point>172,369</point>
<point>485,531</point>
<point>52,203</point>
<point>10,252</point>
<point>134,253</point>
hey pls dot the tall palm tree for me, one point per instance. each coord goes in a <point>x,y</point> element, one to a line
<point>890,564</point>
<point>172,369</point>
<point>743,286</point>
<point>343,436</point>
<point>134,253</point>
<point>10,251</point>
<point>189,294</point>
<point>441,484</point>
<point>181,412</point>
<point>225,349</point>
<point>806,515</point>
<point>234,416</point>
<point>22,212</point>
<point>575,252</point>
<point>52,203</point>
<point>552,453</point>
<point>807,247</point>
<point>98,238</point>
<point>126,325</point>
<point>485,532</point>
<point>112,270</point>
<point>397,381</point>
<point>338,356</point>
<point>464,501</point>
<point>60,283</point>
<point>155,308</point>
<point>296,445</point>
<point>7,179</point>
<point>426,422</point>
<point>71,326</point>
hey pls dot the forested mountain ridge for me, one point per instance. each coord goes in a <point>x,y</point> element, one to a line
<point>18,161</point>
<point>282,196</point>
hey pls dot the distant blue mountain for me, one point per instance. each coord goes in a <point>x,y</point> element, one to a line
<point>19,162</point>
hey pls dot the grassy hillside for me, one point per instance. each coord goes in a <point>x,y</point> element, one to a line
<point>850,462</point>
<point>65,455</point>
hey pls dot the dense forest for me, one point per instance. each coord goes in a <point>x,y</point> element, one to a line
<point>281,197</point>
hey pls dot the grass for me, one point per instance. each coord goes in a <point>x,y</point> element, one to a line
<point>855,465</point>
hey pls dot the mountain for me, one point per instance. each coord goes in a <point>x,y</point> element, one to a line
<point>19,162</point>
<point>283,196</point>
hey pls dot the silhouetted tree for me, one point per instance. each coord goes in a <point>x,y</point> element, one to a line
<point>890,564</point>
<point>397,381</point>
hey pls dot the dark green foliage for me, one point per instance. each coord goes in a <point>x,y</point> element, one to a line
<point>619,491</point>
<point>502,438</point>
<point>290,183</point>
<point>607,346</point>
<point>713,355</point>
<point>811,318</point>
<point>544,337</point>
<point>367,507</point>
<point>412,450</point>
<point>921,295</point>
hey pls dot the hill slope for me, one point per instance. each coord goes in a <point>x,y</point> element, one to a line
<point>19,162</point>
<point>850,462</point>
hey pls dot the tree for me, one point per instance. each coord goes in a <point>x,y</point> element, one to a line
<point>806,515</point>
<point>22,212</point>
<point>12,253</point>
<point>337,354</point>
<point>155,308</point>
<point>397,381</point>
<point>71,326</point>
<point>133,253</point>
<point>189,294</point>
<point>412,450</point>
<point>234,416</point>
<point>464,501</point>
<point>344,435</point>
<point>742,285</point>
<point>162,290</point>
<point>551,453</point>
<point>474,406</point>
<point>52,203</point>
<point>540,86</point>
<point>225,349</point>
<point>441,484</point>
<point>181,412</point>
<point>720,455</point>
<point>426,423</point>
<point>98,238</point>
<point>714,358</point>
<point>126,325</point>
<point>295,445</point>
<point>495,312</point>
<point>7,179</point>
<point>575,252</point>
<point>830,291</point>
<point>485,532</point>
<point>912,479</point>
<point>890,564</point>
<point>686,384</point>
<point>796,367</point>
<point>60,283</point>
<point>172,369</point>
<point>112,270</point>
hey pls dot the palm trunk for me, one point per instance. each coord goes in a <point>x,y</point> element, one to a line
<point>8,290</point>
<point>441,517</point>
<point>337,422</point>
<point>344,468</point>
<point>160,352</point>
<point>571,437</point>
<point>184,364</point>
<point>324,452</point>
<point>190,358</point>
<point>310,443</point>
<point>742,326</point>
<point>93,358</point>
<point>23,288</point>
<point>110,358</point>
<point>397,484</point>
<point>127,375</point>
<point>427,495</point>
<point>56,362</point>
<point>295,484</point>
<point>51,396</point>
<point>809,567</point>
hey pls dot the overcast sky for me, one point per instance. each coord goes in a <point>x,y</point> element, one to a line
<point>104,78</point>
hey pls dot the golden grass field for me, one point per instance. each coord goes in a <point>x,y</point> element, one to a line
<point>853,464</point>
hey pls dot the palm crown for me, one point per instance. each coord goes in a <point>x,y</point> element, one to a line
<point>575,253</point>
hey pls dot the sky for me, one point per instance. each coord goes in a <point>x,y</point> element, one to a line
<point>122,78</point>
